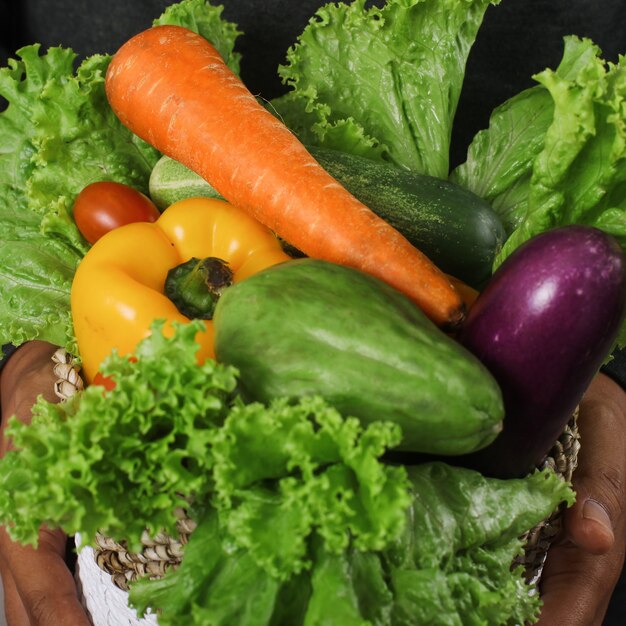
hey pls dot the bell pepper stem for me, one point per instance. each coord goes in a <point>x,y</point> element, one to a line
<point>196,285</point>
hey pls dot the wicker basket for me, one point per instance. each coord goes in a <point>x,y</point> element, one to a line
<point>163,552</point>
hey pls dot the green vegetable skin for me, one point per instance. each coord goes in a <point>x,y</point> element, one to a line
<point>171,181</point>
<point>308,327</point>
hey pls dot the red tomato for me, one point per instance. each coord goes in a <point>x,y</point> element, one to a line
<point>104,381</point>
<point>103,206</point>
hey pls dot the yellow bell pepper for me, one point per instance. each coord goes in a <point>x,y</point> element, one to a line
<point>118,289</point>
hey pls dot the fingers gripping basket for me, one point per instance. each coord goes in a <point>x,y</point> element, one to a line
<point>163,552</point>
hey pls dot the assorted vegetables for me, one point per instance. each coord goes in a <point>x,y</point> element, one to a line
<point>191,107</point>
<point>455,228</point>
<point>554,155</point>
<point>299,518</point>
<point>297,442</point>
<point>54,117</point>
<point>57,135</point>
<point>322,475</point>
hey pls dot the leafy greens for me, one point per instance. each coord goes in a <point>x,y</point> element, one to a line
<point>171,432</point>
<point>120,461</point>
<point>556,154</point>
<point>382,82</point>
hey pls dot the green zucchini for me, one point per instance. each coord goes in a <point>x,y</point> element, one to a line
<point>452,226</point>
<point>308,327</point>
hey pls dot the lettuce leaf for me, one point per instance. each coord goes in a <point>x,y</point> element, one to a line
<point>580,174</point>
<point>218,586</point>
<point>382,82</point>
<point>172,432</point>
<point>321,475</point>
<point>500,159</point>
<point>452,566</point>
<point>37,268</point>
<point>35,282</point>
<point>556,153</point>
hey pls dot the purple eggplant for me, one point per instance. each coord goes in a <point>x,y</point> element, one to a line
<point>543,326</point>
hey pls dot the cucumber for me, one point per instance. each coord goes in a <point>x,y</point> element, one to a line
<point>170,181</point>
<point>308,327</point>
<point>452,226</point>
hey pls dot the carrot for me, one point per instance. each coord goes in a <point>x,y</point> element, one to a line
<point>171,88</point>
<point>468,294</point>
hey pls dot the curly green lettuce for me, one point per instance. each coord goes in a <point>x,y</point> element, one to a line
<point>500,159</point>
<point>580,174</point>
<point>173,433</point>
<point>382,82</point>
<point>123,460</point>
<point>313,472</point>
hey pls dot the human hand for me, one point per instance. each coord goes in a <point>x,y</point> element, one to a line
<point>582,569</point>
<point>39,588</point>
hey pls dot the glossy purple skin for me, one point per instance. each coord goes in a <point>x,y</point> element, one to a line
<point>543,326</point>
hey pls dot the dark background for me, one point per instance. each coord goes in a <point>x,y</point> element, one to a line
<point>518,39</point>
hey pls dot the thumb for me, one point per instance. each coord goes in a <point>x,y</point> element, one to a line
<point>582,568</point>
<point>591,523</point>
